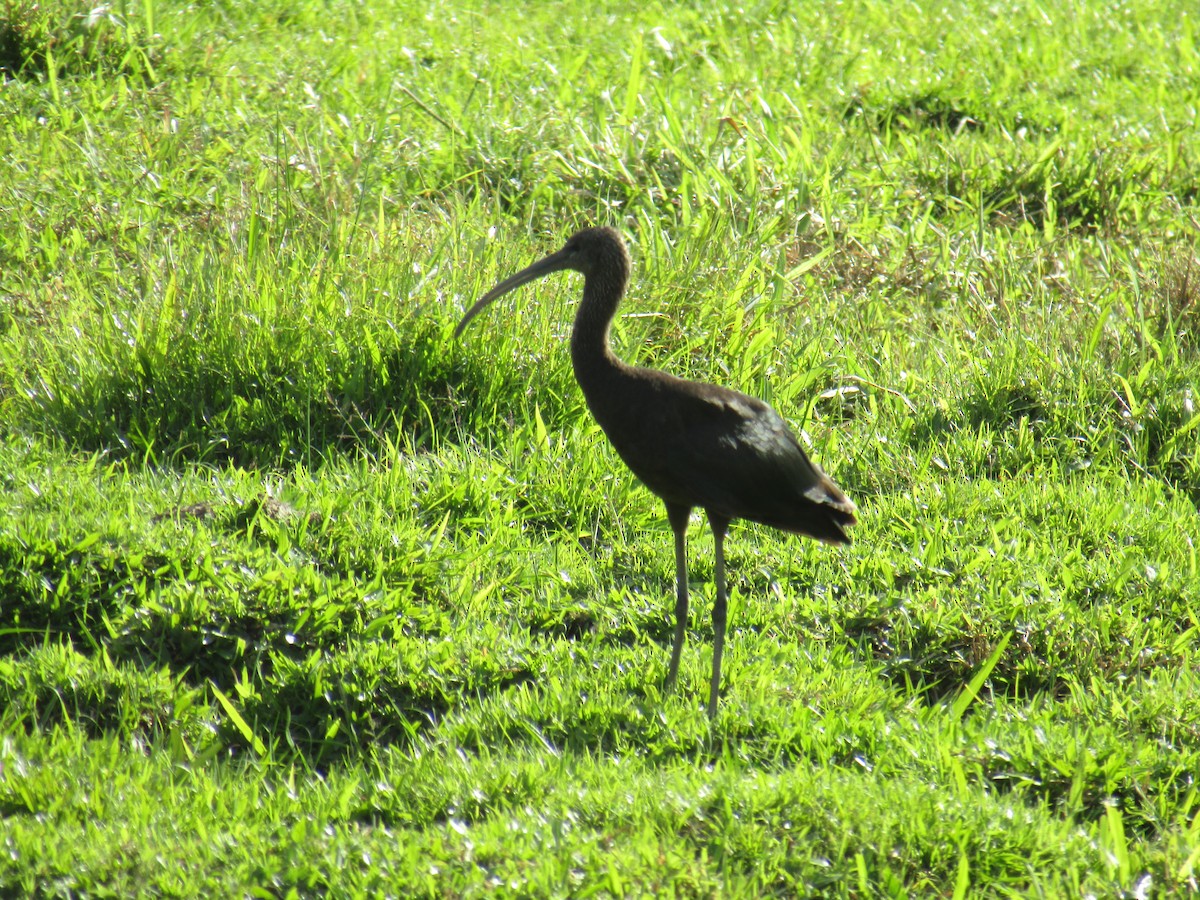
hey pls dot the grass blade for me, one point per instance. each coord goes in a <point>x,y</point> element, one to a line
<point>240,723</point>
<point>971,691</point>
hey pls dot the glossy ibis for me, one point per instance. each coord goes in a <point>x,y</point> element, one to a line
<point>692,444</point>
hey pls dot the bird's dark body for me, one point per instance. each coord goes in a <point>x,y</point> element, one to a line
<point>701,445</point>
<point>693,444</point>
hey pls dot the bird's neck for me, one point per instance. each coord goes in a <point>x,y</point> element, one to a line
<point>591,356</point>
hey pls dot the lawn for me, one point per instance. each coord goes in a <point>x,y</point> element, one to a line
<point>300,596</point>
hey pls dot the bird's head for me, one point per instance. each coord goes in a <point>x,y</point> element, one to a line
<point>593,252</point>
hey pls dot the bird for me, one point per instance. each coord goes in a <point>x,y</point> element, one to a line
<point>693,444</point>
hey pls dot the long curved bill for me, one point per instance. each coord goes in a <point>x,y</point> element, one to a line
<point>555,262</point>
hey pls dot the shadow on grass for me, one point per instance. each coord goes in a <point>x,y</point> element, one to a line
<point>115,636</point>
<point>933,667</point>
<point>922,111</point>
<point>193,408</point>
<point>77,40</point>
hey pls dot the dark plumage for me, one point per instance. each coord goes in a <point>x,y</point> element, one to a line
<point>692,444</point>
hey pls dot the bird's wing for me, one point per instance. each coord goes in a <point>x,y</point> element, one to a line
<point>725,451</point>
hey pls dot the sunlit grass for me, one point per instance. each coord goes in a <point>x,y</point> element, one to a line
<point>299,595</point>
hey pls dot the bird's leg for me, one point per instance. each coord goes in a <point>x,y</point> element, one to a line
<point>719,526</point>
<point>678,517</point>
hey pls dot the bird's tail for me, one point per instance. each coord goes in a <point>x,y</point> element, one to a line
<point>834,512</point>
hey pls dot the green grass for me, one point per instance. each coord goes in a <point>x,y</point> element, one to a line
<point>300,597</point>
